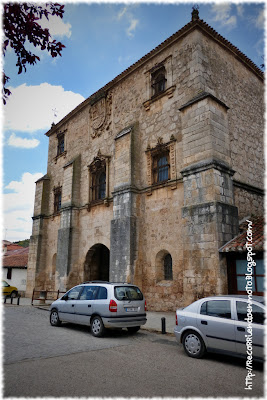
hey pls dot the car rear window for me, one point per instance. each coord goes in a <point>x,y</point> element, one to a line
<point>128,293</point>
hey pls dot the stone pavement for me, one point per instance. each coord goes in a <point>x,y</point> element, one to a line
<point>154,319</point>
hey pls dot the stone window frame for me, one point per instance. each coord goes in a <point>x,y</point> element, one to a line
<point>57,199</point>
<point>61,152</point>
<point>99,165</point>
<point>152,157</point>
<point>161,274</point>
<point>163,67</point>
<point>158,81</point>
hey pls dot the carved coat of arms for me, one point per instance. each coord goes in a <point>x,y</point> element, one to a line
<point>100,113</point>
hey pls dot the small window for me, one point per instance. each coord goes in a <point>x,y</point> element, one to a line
<point>242,312</point>
<point>57,200</point>
<point>217,308</point>
<point>9,273</point>
<point>258,276</point>
<point>61,144</point>
<point>168,267</point>
<point>161,167</point>
<point>158,79</point>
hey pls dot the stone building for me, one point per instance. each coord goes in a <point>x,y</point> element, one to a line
<point>150,176</point>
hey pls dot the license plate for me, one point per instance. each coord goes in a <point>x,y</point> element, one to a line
<point>131,309</point>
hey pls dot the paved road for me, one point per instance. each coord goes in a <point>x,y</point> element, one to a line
<point>40,360</point>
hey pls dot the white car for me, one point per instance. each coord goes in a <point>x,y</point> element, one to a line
<point>101,305</point>
<point>219,324</point>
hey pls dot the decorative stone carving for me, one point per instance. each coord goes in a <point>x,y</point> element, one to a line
<point>100,115</point>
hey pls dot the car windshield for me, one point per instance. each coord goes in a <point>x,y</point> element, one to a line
<point>5,284</point>
<point>128,293</point>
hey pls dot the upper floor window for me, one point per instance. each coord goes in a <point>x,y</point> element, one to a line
<point>161,167</point>
<point>61,143</point>
<point>57,199</point>
<point>98,174</point>
<point>99,185</point>
<point>158,79</point>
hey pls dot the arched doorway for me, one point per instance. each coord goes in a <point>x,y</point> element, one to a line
<point>96,265</point>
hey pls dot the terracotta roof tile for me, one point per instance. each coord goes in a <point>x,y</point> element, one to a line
<point>238,244</point>
<point>16,258</point>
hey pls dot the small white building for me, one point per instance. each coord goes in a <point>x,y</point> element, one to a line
<point>15,262</point>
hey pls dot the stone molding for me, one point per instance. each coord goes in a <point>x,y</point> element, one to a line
<point>205,165</point>
<point>202,96</point>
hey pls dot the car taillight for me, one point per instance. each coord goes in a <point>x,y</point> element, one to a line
<point>176,319</point>
<point>145,305</point>
<point>112,306</point>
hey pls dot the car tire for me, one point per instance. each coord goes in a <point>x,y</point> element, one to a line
<point>54,318</point>
<point>133,329</point>
<point>97,326</point>
<point>14,294</point>
<point>193,344</point>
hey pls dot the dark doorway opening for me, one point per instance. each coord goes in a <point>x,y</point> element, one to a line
<point>96,266</point>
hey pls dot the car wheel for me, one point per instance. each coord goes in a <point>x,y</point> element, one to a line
<point>14,294</point>
<point>193,344</point>
<point>97,327</point>
<point>54,318</point>
<point>133,329</point>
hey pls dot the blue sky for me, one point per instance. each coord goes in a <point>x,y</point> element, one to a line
<point>102,40</point>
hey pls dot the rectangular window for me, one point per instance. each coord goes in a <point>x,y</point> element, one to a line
<point>9,273</point>
<point>61,144</point>
<point>257,276</point>
<point>161,167</point>
<point>57,200</point>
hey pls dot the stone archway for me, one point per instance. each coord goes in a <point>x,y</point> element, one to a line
<point>96,265</point>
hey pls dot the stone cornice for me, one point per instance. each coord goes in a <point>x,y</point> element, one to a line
<point>205,165</point>
<point>201,96</point>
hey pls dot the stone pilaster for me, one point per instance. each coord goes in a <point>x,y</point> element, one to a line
<point>70,198</point>
<point>36,260</point>
<point>124,223</point>
<point>210,217</point>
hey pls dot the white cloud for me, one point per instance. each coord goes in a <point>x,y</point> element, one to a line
<point>222,14</point>
<point>30,108</point>
<point>260,20</point>
<point>18,207</point>
<point>126,15</point>
<point>16,141</point>
<point>56,26</point>
<point>132,27</point>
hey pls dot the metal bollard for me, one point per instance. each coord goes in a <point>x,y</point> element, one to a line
<point>18,300</point>
<point>11,302</point>
<point>5,300</point>
<point>163,325</point>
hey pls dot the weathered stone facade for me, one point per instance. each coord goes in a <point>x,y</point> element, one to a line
<point>207,122</point>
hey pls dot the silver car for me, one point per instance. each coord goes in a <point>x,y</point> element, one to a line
<point>223,324</point>
<point>101,305</point>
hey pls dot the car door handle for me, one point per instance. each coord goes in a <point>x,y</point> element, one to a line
<point>204,322</point>
<point>241,329</point>
<point>89,305</point>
